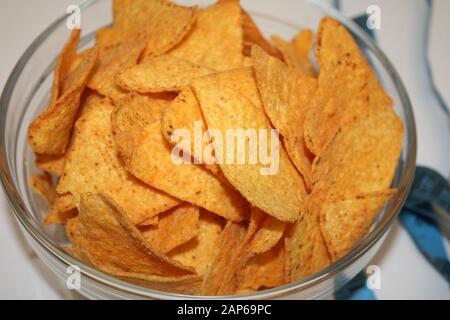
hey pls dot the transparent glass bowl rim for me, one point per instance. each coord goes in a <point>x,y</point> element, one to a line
<point>32,227</point>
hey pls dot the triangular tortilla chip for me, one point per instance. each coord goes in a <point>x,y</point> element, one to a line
<point>198,252</point>
<point>293,58</point>
<point>183,113</point>
<point>162,23</point>
<point>113,59</point>
<point>51,164</point>
<point>344,222</point>
<point>175,227</point>
<point>216,40</point>
<point>132,114</point>
<point>363,156</point>
<point>43,186</point>
<point>63,64</point>
<point>286,96</point>
<point>347,84</point>
<point>104,237</point>
<point>162,74</point>
<point>224,261</point>
<point>152,162</point>
<point>92,165</point>
<point>50,133</point>
<point>265,270</point>
<point>306,252</point>
<point>61,210</point>
<point>252,35</point>
<point>303,42</point>
<point>280,194</point>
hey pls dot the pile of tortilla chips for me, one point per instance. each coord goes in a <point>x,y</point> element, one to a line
<point>209,228</point>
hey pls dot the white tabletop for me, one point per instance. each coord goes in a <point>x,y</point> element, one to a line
<point>405,273</point>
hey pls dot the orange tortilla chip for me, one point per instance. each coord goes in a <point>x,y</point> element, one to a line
<point>281,194</point>
<point>344,222</point>
<point>268,235</point>
<point>175,227</point>
<point>185,110</point>
<point>62,210</point>
<point>197,252</point>
<point>151,161</point>
<point>43,186</point>
<point>51,164</point>
<point>108,239</point>
<point>132,114</point>
<point>165,73</point>
<point>65,60</point>
<point>306,252</point>
<point>293,58</point>
<point>363,156</point>
<point>50,132</point>
<point>112,60</point>
<point>303,42</point>
<point>216,40</point>
<point>252,35</point>
<point>265,270</point>
<point>286,96</point>
<point>92,165</point>
<point>164,23</point>
<point>55,164</point>
<point>347,84</point>
<point>223,261</point>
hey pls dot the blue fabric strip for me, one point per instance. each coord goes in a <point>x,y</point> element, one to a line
<point>421,221</point>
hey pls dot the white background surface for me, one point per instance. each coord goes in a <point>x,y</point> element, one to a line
<point>405,274</point>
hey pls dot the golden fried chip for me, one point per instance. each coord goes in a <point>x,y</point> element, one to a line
<point>223,260</point>
<point>197,253</point>
<point>252,35</point>
<point>293,58</point>
<point>184,112</point>
<point>55,164</point>
<point>162,74</point>
<point>303,42</point>
<point>216,40</point>
<point>232,262</point>
<point>175,227</point>
<point>265,270</point>
<point>268,235</point>
<point>50,132</point>
<point>63,209</point>
<point>344,222</point>
<point>152,162</point>
<point>51,164</point>
<point>162,23</point>
<point>279,193</point>
<point>347,84</point>
<point>132,114</point>
<point>108,239</point>
<point>64,62</point>
<point>286,96</point>
<point>153,221</point>
<point>363,156</point>
<point>92,165</point>
<point>43,186</point>
<point>59,217</point>
<point>113,59</point>
<point>306,252</point>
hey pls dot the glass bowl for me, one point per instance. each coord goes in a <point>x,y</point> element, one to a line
<point>26,94</point>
